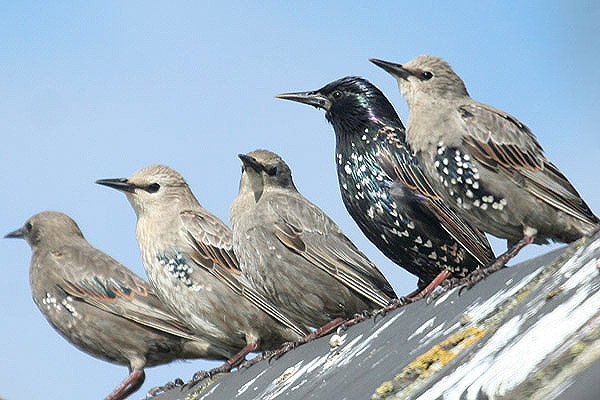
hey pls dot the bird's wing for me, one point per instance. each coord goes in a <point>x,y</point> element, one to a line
<point>501,142</point>
<point>403,169</point>
<point>93,277</point>
<point>211,243</point>
<point>305,229</point>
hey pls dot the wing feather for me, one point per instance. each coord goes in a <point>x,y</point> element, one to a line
<point>211,241</point>
<point>407,172</point>
<point>319,240</point>
<point>97,279</point>
<point>512,149</point>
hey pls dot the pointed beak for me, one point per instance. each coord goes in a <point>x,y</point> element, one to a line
<point>313,98</point>
<point>251,162</point>
<point>121,184</point>
<point>397,70</point>
<point>19,233</point>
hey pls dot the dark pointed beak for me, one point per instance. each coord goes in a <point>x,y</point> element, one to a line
<point>19,233</point>
<point>397,70</point>
<point>251,162</point>
<point>121,184</point>
<point>313,98</point>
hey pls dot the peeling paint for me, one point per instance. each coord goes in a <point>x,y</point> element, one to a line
<point>444,297</point>
<point>434,332</point>
<point>247,385</point>
<point>422,328</point>
<point>362,346</point>
<point>526,335</point>
<point>480,311</point>
<point>492,370</point>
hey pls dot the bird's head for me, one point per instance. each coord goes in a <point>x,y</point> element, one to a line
<point>425,78</point>
<point>152,190</point>
<point>263,169</point>
<point>48,227</point>
<point>349,103</point>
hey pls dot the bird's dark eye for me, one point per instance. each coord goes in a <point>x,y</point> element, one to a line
<point>28,226</point>
<point>337,95</point>
<point>153,188</point>
<point>426,75</point>
<point>271,171</point>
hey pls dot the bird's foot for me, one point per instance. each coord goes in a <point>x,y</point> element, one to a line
<point>248,363</point>
<point>276,355</point>
<point>394,304</point>
<point>166,387</point>
<point>202,375</point>
<point>442,277</point>
<point>199,377</point>
<point>480,274</point>
<point>465,283</point>
<point>445,287</point>
<point>354,320</point>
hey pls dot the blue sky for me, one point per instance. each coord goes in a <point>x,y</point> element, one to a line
<point>100,90</point>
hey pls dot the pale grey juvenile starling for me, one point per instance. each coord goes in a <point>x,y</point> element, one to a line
<point>385,190</point>
<point>294,254</point>
<point>100,306</point>
<point>488,165</point>
<point>187,253</point>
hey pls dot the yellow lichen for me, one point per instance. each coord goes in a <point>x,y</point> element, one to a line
<point>577,348</point>
<point>441,354</point>
<point>521,296</point>
<point>385,388</point>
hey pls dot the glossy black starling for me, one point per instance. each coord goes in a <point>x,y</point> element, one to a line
<point>488,165</point>
<point>187,253</point>
<point>294,254</point>
<point>100,306</point>
<point>384,189</point>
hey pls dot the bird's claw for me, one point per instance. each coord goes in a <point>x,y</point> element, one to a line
<point>284,349</point>
<point>379,313</point>
<point>199,377</point>
<point>445,287</point>
<point>178,382</point>
<point>394,304</point>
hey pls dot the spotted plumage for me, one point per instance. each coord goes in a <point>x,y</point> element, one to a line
<point>187,253</point>
<point>100,306</point>
<point>488,165</point>
<point>384,188</point>
<point>176,265</point>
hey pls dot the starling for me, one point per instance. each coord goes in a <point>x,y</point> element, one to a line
<point>384,189</point>
<point>487,165</point>
<point>294,254</point>
<point>187,253</point>
<point>100,306</point>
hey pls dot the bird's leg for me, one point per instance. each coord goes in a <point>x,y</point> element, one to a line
<point>227,367</point>
<point>413,296</point>
<point>417,294</point>
<point>480,274</point>
<point>241,356</point>
<point>441,277</point>
<point>128,386</point>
